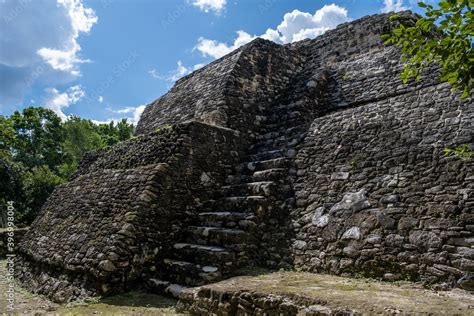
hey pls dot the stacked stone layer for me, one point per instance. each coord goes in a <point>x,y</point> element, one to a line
<point>379,198</point>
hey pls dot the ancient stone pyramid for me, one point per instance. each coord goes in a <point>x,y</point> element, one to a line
<point>311,155</point>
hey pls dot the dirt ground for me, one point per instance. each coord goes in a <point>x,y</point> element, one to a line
<point>133,303</point>
<point>362,295</point>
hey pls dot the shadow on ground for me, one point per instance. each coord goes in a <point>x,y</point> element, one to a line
<point>131,303</point>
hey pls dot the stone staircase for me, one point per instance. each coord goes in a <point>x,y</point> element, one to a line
<point>225,234</point>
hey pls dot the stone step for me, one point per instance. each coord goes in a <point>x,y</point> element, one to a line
<point>203,254</point>
<point>216,236</point>
<point>283,117</point>
<point>282,108</point>
<point>291,105</point>
<point>270,189</point>
<point>272,144</point>
<point>158,286</point>
<point>188,273</point>
<point>264,188</point>
<point>270,154</point>
<point>242,204</point>
<point>277,174</point>
<point>227,219</point>
<point>285,124</point>
<point>284,132</point>
<point>252,166</point>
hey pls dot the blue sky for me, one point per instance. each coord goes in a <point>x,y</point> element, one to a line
<point>105,59</point>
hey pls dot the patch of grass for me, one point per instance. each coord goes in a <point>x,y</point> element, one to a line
<point>348,287</point>
<point>460,152</point>
<point>163,128</point>
<point>354,164</point>
<point>346,76</point>
<point>131,303</point>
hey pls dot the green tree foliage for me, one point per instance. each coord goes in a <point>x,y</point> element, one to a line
<point>443,36</point>
<point>38,137</point>
<point>124,130</point>
<point>38,152</point>
<point>11,182</point>
<point>112,134</point>
<point>462,152</point>
<point>81,136</point>
<point>11,185</point>
<point>38,183</point>
<point>7,134</point>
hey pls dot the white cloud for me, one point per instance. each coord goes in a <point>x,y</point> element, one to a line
<point>63,60</point>
<point>393,6</point>
<point>138,113</point>
<point>128,109</point>
<point>100,99</point>
<point>57,101</point>
<point>175,74</point>
<point>66,58</point>
<point>299,25</point>
<point>133,115</point>
<point>102,122</point>
<point>179,72</point>
<point>198,66</point>
<point>217,49</point>
<point>212,48</point>
<point>296,25</point>
<point>271,35</point>
<point>39,42</point>
<point>210,5</point>
<point>154,73</point>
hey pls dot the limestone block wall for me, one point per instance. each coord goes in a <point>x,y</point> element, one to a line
<point>91,231</point>
<point>198,95</point>
<point>162,146</point>
<point>348,39</point>
<point>107,229</point>
<point>376,197</point>
<point>370,76</point>
<point>173,144</point>
<point>360,68</point>
<point>230,92</point>
<point>259,80</point>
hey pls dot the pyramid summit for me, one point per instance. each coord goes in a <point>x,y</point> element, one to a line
<point>311,155</point>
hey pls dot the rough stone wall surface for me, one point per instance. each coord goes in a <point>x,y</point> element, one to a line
<point>162,146</point>
<point>375,196</point>
<point>208,301</point>
<point>370,76</point>
<point>198,95</point>
<point>97,232</point>
<point>230,92</point>
<point>348,39</point>
<point>259,80</point>
<point>110,225</point>
<point>171,145</point>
